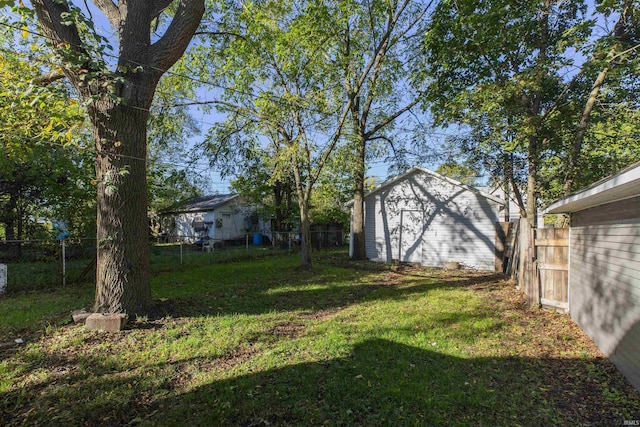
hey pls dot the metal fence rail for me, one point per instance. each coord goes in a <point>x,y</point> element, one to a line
<point>38,264</point>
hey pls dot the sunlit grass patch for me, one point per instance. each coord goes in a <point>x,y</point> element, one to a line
<point>263,342</point>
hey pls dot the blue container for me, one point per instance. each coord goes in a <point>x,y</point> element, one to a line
<point>257,239</point>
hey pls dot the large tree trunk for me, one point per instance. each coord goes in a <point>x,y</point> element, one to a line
<point>305,235</point>
<point>122,280</point>
<point>120,123</point>
<point>304,194</point>
<point>357,225</point>
<point>278,196</point>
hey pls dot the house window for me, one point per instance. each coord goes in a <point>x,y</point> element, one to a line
<point>218,222</point>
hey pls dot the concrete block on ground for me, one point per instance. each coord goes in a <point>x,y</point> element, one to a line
<point>108,322</point>
<point>79,316</point>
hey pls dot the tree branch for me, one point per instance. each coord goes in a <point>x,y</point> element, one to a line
<point>49,77</point>
<point>158,6</point>
<point>219,33</point>
<point>166,51</point>
<point>378,54</point>
<point>49,13</point>
<point>391,118</point>
<point>332,142</point>
<point>110,10</point>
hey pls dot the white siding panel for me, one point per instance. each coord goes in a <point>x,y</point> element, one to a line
<point>623,230</point>
<point>184,227</point>
<point>626,354</point>
<point>378,246</point>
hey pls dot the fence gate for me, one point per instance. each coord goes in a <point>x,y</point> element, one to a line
<point>552,251</point>
<point>539,263</point>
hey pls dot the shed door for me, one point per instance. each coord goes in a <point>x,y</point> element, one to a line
<point>411,230</point>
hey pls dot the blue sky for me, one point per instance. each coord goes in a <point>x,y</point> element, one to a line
<point>377,168</point>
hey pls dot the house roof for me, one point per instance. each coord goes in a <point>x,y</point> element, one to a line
<point>417,169</point>
<point>623,185</point>
<point>201,204</point>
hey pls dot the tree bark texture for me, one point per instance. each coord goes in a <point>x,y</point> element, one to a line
<point>118,105</point>
<point>305,222</point>
<point>122,280</point>
<point>304,194</point>
<point>305,235</point>
<point>357,228</point>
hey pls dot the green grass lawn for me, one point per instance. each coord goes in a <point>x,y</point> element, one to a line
<point>261,342</point>
<point>41,270</point>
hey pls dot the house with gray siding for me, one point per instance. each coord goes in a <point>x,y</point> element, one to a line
<point>426,218</point>
<point>604,266</point>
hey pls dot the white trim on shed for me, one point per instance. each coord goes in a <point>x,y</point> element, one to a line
<point>622,185</point>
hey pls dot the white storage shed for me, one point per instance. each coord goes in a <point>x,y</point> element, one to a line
<point>426,218</point>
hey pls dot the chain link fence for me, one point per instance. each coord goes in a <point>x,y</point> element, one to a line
<point>43,264</point>
<point>33,265</point>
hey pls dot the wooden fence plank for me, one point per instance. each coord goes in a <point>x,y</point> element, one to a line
<point>552,253</point>
<point>552,242</point>
<point>552,267</point>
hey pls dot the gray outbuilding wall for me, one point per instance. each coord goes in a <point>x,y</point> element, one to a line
<point>604,266</point>
<point>425,218</point>
<point>604,280</point>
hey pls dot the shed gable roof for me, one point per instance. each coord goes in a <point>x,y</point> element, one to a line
<point>201,204</point>
<point>623,185</point>
<point>418,169</point>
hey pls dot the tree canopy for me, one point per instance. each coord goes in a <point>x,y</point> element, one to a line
<point>46,164</point>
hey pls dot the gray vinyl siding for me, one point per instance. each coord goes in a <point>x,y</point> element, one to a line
<point>375,243</point>
<point>444,222</point>
<point>604,281</point>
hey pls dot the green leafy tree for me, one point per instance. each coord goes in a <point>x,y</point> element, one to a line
<point>493,63</point>
<point>274,197</point>
<point>277,82</point>
<point>613,58</point>
<point>172,174</point>
<point>46,165</point>
<point>334,190</point>
<point>458,171</point>
<point>373,41</point>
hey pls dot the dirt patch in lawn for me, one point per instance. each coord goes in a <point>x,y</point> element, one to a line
<point>287,330</point>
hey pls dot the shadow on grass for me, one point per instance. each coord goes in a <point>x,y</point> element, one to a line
<point>380,382</point>
<point>290,290</point>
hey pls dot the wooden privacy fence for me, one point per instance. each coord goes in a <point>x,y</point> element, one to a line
<point>538,260</point>
<point>552,251</point>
